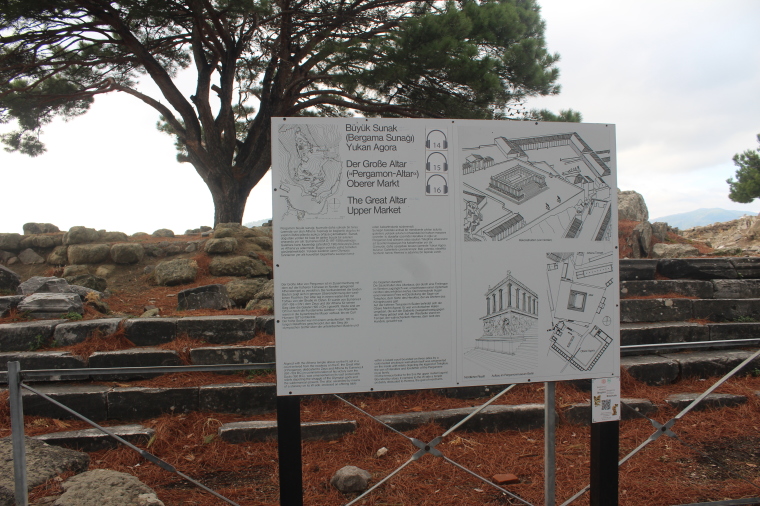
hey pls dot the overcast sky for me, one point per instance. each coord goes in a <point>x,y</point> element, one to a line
<point>679,78</point>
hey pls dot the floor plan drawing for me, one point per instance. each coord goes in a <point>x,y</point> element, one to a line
<point>581,316</point>
<point>509,339</point>
<point>550,186</point>
<point>311,177</point>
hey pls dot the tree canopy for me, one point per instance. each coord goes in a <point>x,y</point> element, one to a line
<point>257,59</point>
<point>746,188</point>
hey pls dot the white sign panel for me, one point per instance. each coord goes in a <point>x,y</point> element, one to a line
<point>416,253</point>
<point>605,399</point>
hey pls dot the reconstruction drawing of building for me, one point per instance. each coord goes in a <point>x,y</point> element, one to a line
<point>518,183</point>
<point>511,316</point>
<point>476,162</point>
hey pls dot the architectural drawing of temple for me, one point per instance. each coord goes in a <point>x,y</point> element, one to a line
<point>511,316</point>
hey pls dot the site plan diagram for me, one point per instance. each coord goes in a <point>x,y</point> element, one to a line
<point>431,253</point>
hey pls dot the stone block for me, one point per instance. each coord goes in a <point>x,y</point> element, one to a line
<point>726,331</point>
<point>655,310</point>
<point>736,288</point>
<point>265,324</point>
<point>75,332</point>
<point>683,287</point>
<point>220,245</point>
<point>137,403</point>
<point>163,232</point>
<point>204,297</point>
<point>89,281</point>
<point>239,432</point>
<point>651,369</point>
<point>44,360</point>
<point>88,253</point>
<point>747,267</point>
<point>631,270</point>
<point>232,355</point>
<point>218,329</point>
<point>26,336</point>
<point>697,268</point>
<point>494,418</point>
<point>93,440</point>
<point>705,364</point>
<point>30,257</point>
<point>241,398</point>
<point>9,280</point>
<point>80,235</point>
<point>150,331</point>
<point>127,253</point>
<point>43,284</point>
<point>10,242</point>
<point>88,400</point>
<point>241,266</point>
<point>40,228</point>
<point>243,290</point>
<point>580,413</point>
<point>727,310</point>
<point>657,333</point>
<point>135,357</point>
<point>711,401</point>
<point>59,256</point>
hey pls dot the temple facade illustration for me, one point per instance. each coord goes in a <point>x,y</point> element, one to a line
<point>511,316</point>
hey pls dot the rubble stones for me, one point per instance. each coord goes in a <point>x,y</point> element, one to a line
<point>176,272</point>
<point>113,237</point>
<point>127,253</point>
<point>89,281</point>
<point>88,253</point>
<point>29,257</point>
<point>80,235</point>
<point>9,302</point>
<point>243,290</point>
<point>59,256</point>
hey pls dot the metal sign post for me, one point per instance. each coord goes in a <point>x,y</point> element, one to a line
<point>604,463</point>
<point>289,450</point>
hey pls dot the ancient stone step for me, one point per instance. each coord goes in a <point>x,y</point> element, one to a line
<point>664,332</point>
<point>239,432</point>
<point>711,401</point>
<point>92,440</point>
<point>670,367</point>
<point>88,400</point>
<point>662,310</point>
<point>135,357</point>
<point>26,336</point>
<point>684,287</point>
<point>494,418</point>
<point>43,360</point>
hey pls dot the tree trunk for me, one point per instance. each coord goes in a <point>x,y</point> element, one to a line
<point>229,203</point>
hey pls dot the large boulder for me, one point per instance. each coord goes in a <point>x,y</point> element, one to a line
<point>105,487</point>
<point>176,272</point>
<point>88,253</point>
<point>163,232</point>
<point>9,280</point>
<point>243,290</point>
<point>351,479</point>
<point>221,246</point>
<point>204,297</point>
<point>663,250</point>
<point>41,241</point>
<point>241,266</point>
<point>89,281</point>
<point>43,462</point>
<point>127,253</point>
<point>80,235</point>
<point>10,242</point>
<point>39,228</point>
<point>631,206</point>
<point>113,236</point>
<point>641,240</point>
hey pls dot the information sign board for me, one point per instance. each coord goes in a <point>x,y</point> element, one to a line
<point>417,253</point>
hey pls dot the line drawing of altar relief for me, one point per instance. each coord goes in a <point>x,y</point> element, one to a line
<point>511,316</point>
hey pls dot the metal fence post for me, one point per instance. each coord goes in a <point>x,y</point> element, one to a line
<point>289,450</point>
<point>550,435</point>
<point>17,434</point>
<point>605,438</point>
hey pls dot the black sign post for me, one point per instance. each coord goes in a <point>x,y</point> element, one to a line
<point>604,463</point>
<point>289,450</point>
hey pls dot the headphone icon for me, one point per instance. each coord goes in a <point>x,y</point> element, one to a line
<point>436,156</point>
<point>445,185</point>
<point>444,142</point>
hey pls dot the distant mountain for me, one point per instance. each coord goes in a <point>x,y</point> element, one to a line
<point>256,223</point>
<point>701,217</point>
